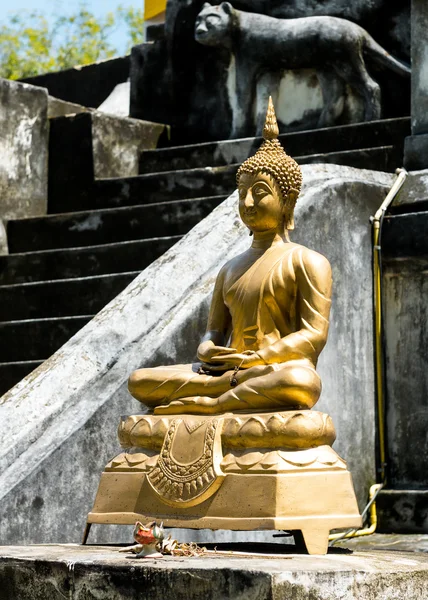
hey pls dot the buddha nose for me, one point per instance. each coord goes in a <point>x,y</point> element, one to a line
<point>249,200</point>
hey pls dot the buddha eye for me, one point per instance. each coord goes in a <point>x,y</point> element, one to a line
<point>260,191</point>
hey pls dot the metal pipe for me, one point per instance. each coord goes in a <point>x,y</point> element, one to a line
<point>373,492</point>
<point>377,290</point>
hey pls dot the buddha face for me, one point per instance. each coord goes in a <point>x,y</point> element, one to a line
<point>260,204</point>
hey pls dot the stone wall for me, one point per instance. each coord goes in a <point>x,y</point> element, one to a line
<point>88,85</point>
<point>405,287</point>
<point>406,318</point>
<point>23,152</point>
<point>58,426</point>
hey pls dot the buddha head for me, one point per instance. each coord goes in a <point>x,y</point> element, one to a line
<point>269,183</point>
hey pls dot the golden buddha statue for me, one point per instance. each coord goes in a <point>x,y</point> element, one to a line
<point>270,305</point>
<point>231,442</point>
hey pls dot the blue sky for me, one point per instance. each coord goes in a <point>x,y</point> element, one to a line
<point>58,7</point>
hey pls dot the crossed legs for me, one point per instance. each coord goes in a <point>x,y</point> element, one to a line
<point>180,389</point>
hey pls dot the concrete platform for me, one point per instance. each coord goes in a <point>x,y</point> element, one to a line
<point>387,541</point>
<point>75,572</point>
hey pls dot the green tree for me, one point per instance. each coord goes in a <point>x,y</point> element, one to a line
<point>31,44</point>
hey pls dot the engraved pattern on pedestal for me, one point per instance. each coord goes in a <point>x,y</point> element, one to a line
<point>183,483</point>
<point>282,461</point>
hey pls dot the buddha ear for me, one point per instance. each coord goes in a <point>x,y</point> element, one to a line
<point>289,202</point>
<point>227,7</point>
<point>292,196</point>
<point>289,221</point>
<point>288,208</point>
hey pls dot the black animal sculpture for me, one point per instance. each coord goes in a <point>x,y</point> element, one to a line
<point>334,47</point>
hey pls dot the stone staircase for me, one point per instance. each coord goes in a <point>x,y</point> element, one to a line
<point>377,145</point>
<point>100,233</point>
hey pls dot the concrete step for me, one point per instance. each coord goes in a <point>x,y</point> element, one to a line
<point>168,186</point>
<point>12,372</point>
<point>83,261</point>
<point>60,298</point>
<point>37,339</point>
<point>386,132</point>
<point>145,189</point>
<point>91,145</point>
<point>382,158</point>
<point>88,228</point>
<point>247,570</point>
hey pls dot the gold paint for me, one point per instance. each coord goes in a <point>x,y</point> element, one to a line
<point>188,468</point>
<point>232,443</point>
<point>271,159</point>
<point>270,129</point>
<point>291,429</point>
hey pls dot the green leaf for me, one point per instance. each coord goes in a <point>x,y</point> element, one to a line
<point>31,44</point>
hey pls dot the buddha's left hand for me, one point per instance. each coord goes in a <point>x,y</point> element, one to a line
<point>243,360</point>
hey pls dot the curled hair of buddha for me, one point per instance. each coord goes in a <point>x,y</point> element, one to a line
<point>272,160</point>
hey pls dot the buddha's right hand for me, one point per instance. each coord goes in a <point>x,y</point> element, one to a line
<point>208,349</point>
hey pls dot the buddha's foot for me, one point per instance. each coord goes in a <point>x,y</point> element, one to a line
<point>199,405</point>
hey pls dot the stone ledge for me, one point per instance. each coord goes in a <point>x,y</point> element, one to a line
<point>23,150</point>
<point>85,573</point>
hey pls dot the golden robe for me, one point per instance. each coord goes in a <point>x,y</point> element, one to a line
<point>275,302</point>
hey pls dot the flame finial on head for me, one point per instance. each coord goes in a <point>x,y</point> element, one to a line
<point>270,130</point>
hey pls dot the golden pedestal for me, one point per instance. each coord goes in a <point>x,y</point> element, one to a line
<point>232,471</point>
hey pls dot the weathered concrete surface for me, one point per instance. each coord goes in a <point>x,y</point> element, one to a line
<point>403,511</point>
<point>416,146</point>
<point>61,108</point>
<point>117,143</point>
<point>387,542</point>
<point>89,573</point>
<point>419,33</point>
<point>415,152</point>
<point>86,261</point>
<point>405,296</point>
<point>414,191</point>
<point>90,227</point>
<point>58,426</point>
<point>23,151</point>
